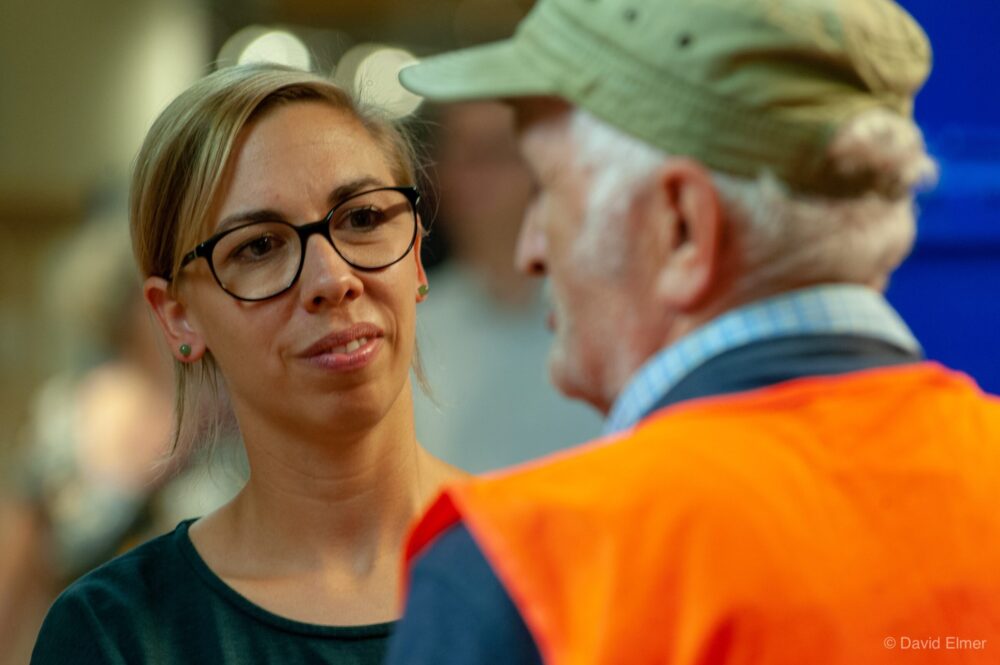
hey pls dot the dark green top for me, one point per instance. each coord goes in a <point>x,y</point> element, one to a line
<point>161,604</point>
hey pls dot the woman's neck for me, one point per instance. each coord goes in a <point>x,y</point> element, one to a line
<point>323,514</point>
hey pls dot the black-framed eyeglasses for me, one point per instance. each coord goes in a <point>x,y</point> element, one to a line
<point>370,230</point>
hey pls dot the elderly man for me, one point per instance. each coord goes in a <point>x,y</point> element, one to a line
<point>724,187</point>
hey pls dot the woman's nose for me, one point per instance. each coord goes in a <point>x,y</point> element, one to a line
<point>326,279</point>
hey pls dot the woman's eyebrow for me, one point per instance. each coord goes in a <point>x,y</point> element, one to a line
<point>248,217</point>
<point>353,187</point>
<point>269,215</point>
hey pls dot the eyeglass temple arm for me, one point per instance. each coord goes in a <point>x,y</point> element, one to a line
<point>188,258</point>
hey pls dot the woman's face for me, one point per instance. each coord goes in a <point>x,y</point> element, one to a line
<point>335,349</point>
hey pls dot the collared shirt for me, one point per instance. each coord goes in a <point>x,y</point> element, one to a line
<point>820,310</point>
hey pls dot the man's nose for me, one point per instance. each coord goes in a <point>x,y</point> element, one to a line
<point>529,257</point>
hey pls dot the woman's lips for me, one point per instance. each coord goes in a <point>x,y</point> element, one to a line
<point>354,355</point>
<point>345,350</point>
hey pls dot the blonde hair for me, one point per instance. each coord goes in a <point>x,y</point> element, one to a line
<point>179,171</point>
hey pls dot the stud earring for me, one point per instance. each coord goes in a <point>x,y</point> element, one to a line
<point>422,290</point>
<point>185,350</point>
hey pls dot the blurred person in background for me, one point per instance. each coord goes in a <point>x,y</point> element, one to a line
<point>482,346</point>
<point>274,222</point>
<point>724,189</point>
<point>88,482</point>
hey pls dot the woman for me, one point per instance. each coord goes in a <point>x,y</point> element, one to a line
<point>310,325</point>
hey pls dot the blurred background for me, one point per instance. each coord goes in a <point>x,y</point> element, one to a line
<point>85,393</point>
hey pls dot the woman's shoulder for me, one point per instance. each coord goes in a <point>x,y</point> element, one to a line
<point>161,603</point>
<point>135,575</point>
<point>97,613</point>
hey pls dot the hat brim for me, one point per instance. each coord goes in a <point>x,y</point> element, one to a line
<point>493,71</point>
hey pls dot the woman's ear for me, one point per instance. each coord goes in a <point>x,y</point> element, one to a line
<point>183,339</point>
<point>690,208</point>
<point>421,274</point>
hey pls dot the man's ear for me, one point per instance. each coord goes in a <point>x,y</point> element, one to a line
<point>693,215</point>
<point>185,342</point>
<point>421,274</point>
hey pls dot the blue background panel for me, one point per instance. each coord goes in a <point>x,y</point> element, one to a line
<point>949,288</point>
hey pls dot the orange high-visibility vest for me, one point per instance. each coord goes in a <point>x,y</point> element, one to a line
<point>846,519</point>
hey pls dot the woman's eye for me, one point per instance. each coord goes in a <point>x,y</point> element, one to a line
<point>363,219</point>
<point>258,248</point>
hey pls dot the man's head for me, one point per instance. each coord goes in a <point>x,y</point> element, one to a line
<point>696,154</point>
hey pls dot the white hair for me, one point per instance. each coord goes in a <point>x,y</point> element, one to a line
<point>783,238</point>
<point>611,191</point>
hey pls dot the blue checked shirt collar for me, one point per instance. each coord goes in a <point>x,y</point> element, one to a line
<point>820,310</point>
